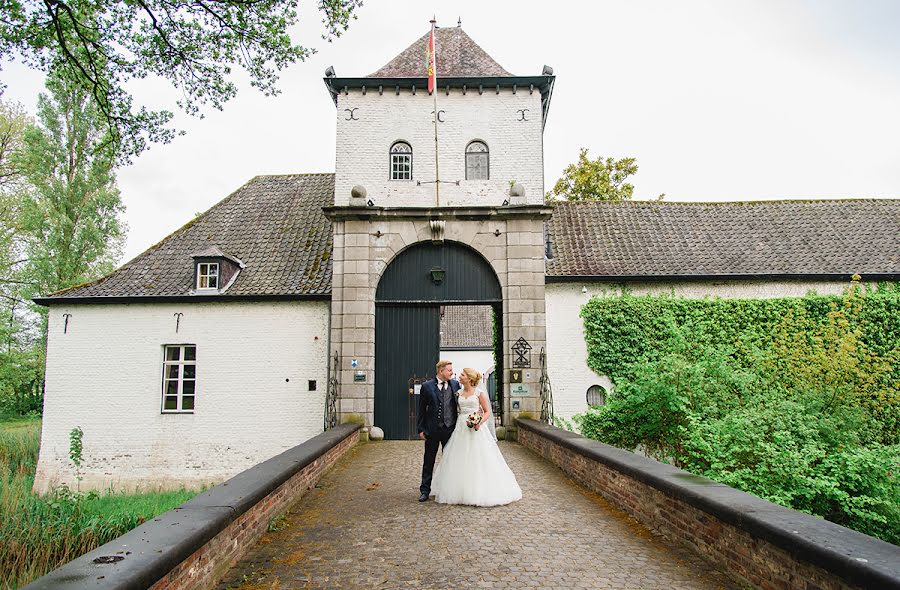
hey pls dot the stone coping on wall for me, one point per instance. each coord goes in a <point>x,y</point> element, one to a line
<point>858,559</point>
<point>143,556</point>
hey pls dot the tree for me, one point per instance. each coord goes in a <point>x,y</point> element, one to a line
<point>595,180</point>
<point>13,121</point>
<point>71,213</point>
<point>99,47</point>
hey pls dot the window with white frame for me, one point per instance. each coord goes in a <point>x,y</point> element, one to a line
<point>477,161</point>
<point>401,161</point>
<point>208,275</point>
<point>179,378</point>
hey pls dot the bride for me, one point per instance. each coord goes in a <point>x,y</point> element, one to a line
<point>472,469</point>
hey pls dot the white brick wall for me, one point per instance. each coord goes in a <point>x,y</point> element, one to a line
<point>254,362</point>
<point>567,350</point>
<point>516,148</point>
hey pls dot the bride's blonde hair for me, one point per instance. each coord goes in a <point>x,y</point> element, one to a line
<point>473,375</point>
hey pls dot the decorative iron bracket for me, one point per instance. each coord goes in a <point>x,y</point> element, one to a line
<point>521,349</point>
<point>333,394</point>
<point>546,391</point>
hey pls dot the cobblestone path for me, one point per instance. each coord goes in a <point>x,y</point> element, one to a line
<point>363,527</point>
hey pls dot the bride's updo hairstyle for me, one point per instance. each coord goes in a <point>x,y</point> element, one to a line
<point>473,375</point>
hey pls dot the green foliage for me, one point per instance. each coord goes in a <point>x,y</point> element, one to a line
<point>21,381</point>
<point>38,534</point>
<point>795,400</point>
<point>71,215</point>
<point>602,179</point>
<point>101,47</point>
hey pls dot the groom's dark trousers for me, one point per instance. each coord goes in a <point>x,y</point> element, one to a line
<point>436,419</point>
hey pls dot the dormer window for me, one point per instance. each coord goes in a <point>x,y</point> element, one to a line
<point>208,275</point>
<point>477,161</point>
<point>214,271</point>
<point>401,161</point>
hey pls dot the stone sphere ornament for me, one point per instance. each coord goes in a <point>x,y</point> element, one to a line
<point>376,433</point>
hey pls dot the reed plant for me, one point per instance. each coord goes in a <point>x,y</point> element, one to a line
<point>40,533</point>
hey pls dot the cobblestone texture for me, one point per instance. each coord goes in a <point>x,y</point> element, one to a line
<point>362,527</point>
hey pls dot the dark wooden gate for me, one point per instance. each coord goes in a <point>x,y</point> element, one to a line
<point>407,341</point>
<point>407,322</point>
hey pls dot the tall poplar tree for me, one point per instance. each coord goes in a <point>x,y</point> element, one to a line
<point>71,213</point>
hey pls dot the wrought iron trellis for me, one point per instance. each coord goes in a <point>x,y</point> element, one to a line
<point>546,391</point>
<point>331,397</point>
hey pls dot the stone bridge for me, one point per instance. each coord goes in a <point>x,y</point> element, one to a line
<point>332,513</point>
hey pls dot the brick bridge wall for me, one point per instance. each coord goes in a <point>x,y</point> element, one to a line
<point>192,546</point>
<point>756,541</point>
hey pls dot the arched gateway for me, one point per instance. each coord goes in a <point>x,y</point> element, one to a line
<point>411,291</point>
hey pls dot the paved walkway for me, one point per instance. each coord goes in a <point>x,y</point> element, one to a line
<point>362,527</point>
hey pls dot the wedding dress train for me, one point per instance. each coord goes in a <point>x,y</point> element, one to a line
<point>472,469</point>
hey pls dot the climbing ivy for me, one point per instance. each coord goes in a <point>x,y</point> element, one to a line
<point>796,400</point>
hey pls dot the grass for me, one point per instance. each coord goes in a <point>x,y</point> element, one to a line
<point>40,533</point>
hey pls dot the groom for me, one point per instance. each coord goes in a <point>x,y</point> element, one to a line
<point>437,419</point>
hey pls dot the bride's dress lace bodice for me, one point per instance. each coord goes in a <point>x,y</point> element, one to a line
<point>468,405</point>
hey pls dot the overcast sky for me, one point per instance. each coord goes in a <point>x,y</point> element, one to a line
<point>740,100</point>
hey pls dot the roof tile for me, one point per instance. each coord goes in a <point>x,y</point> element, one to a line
<point>653,239</point>
<point>273,224</point>
<point>457,55</point>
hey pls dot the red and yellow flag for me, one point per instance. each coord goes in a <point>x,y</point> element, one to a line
<point>432,62</point>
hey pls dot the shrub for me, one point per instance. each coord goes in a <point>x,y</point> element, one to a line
<point>794,400</point>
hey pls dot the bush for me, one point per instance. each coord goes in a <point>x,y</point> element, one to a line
<point>21,382</point>
<point>794,400</point>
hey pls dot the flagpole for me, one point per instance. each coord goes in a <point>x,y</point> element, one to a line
<point>433,74</point>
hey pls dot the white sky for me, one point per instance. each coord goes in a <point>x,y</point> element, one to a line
<point>753,99</point>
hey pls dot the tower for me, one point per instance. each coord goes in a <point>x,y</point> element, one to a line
<point>406,238</point>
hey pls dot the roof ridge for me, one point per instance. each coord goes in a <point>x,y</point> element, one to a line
<point>458,57</point>
<point>743,202</point>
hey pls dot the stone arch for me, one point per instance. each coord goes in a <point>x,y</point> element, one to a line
<point>410,290</point>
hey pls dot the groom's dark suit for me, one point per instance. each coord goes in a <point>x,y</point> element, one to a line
<point>437,419</point>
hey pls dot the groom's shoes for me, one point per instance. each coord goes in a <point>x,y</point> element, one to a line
<point>423,497</point>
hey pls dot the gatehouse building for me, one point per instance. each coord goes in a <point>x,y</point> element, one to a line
<point>303,300</point>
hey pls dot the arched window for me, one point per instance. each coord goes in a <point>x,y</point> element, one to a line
<point>477,161</point>
<point>401,161</point>
<point>596,395</point>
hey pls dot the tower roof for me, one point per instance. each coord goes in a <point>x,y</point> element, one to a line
<point>458,56</point>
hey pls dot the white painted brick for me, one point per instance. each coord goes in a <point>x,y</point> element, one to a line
<point>254,361</point>
<point>363,146</point>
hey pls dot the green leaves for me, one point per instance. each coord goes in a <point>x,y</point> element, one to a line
<point>70,218</point>
<point>99,47</point>
<point>602,179</point>
<point>796,400</point>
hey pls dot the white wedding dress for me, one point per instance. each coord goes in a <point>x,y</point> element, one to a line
<point>472,469</point>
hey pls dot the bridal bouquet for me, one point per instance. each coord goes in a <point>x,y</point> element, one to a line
<point>473,419</point>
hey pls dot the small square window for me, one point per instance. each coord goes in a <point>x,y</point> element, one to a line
<point>208,275</point>
<point>312,384</point>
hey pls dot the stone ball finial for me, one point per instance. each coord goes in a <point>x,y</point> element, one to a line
<point>358,192</point>
<point>517,190</point>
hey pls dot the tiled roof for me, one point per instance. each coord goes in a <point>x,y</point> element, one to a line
<point>658,239</point>
<point>467,326</point>
<point>457,57</point>
<point>273,224</point>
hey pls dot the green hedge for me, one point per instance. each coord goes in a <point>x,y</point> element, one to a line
<point>623,330</point>
<point>796,400</point>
